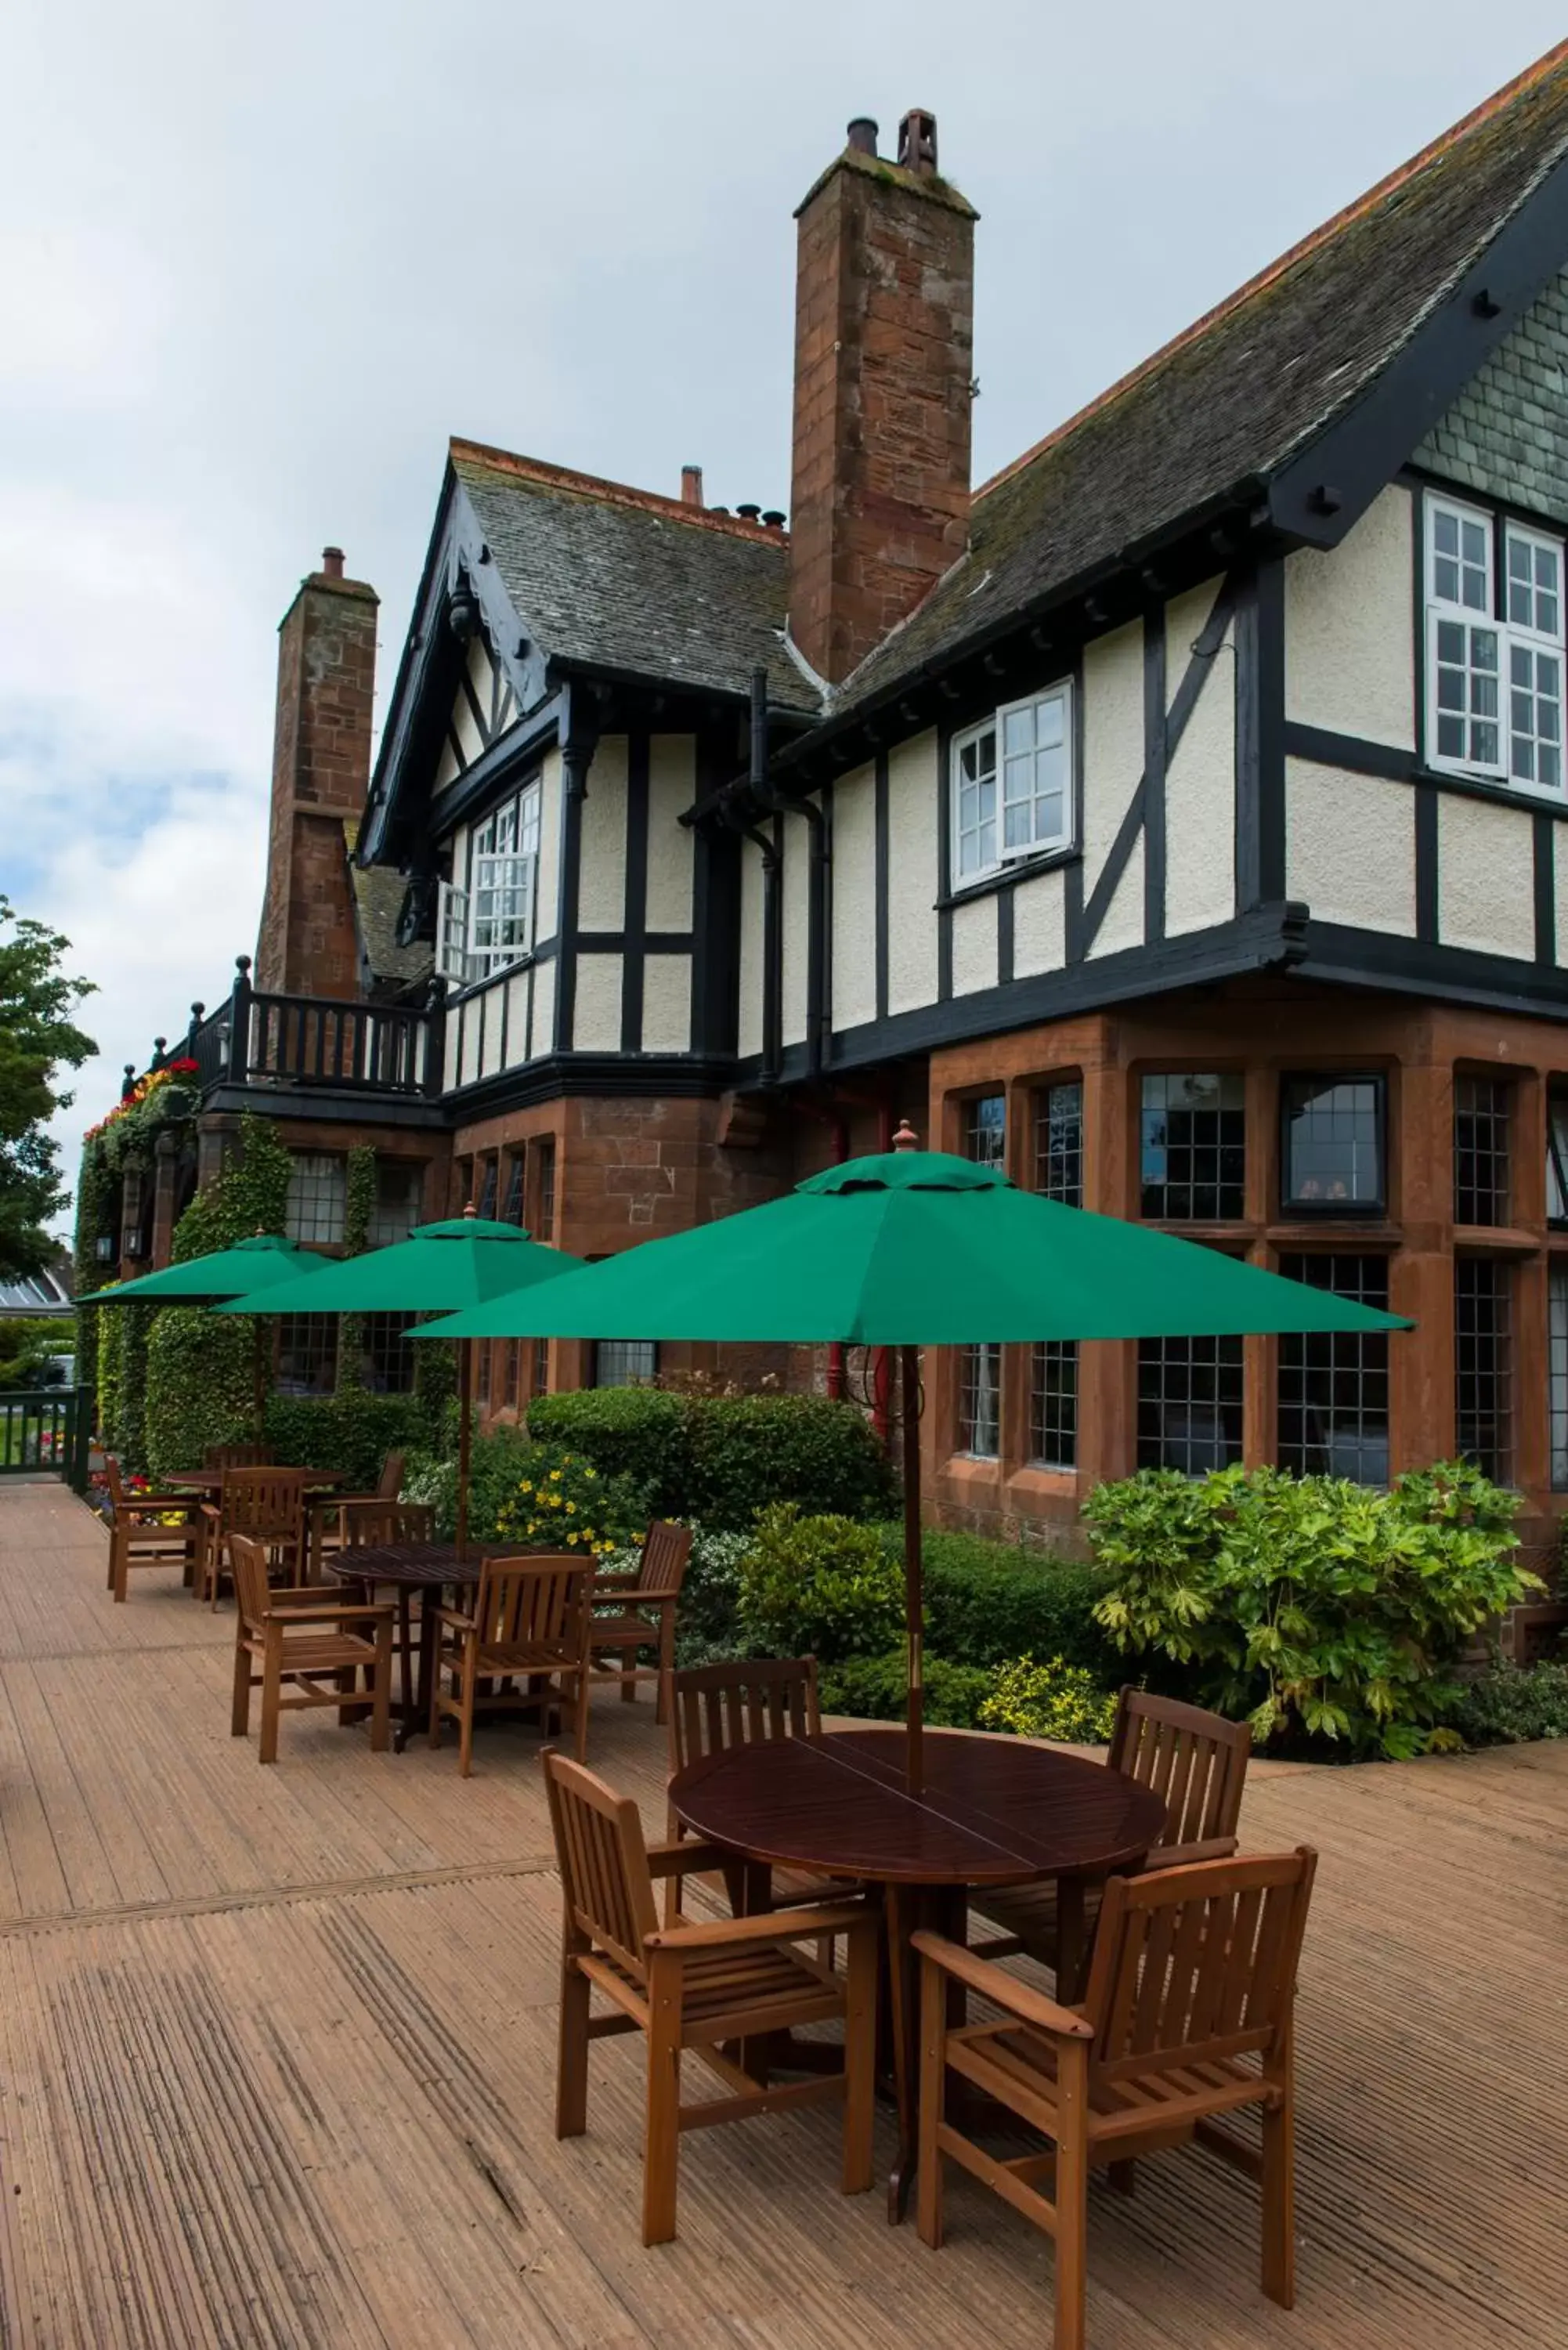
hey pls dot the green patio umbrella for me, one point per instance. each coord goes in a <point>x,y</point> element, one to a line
<point>915,1248</point>
<point>442,1268</point>
<point>243,1272</point>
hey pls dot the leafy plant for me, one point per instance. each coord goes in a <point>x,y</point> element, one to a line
<point>26,1346</point>
<point>38,1037</point>
<point>1511,1703</point>
<point>1315,1609</point>
<point>565,1502</point>
<point>721,1459</point>
<point>1055,1701</point>
<point>987,1602</point>
<point>506,1475</point>
<point>874,1688</point>
<point>817,1586</point>
<point>353,1431</point>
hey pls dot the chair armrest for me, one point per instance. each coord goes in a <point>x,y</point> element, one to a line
<point>769,1926</point>
<point>687,1857</point>
<point>334,1613</point>
<point>211,1509</point>
<point>1004,1990</point>
<point>456,1620</point>
<point>1182,1856</point>
<point>156,1505</point>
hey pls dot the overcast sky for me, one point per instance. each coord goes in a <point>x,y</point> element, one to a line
<point>258,260</point>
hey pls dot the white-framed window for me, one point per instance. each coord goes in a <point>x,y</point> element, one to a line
<point>1012,785</point>
<point>486,920</point>
<point>1494,647</point>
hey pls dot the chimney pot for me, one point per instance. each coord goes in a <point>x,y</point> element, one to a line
<point>690,486</point>
<point>332,562</point>
<point>862,135</point>
<point>774,518</point>
<point>749,513</point>
<point>918,142</point>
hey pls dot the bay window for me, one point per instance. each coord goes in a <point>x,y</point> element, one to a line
<point>1494,647</point>
<point>486,920</point>
<point>1012,786</point>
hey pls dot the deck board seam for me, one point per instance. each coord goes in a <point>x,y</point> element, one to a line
<point>268,1897</point>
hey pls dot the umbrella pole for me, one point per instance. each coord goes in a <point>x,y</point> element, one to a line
<point>258,1373</point>
<point>909,1381</point>
<point>465,1437</point>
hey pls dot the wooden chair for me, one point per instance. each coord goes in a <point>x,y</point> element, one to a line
<point>643,1613</point>
<point>368,1525</point>
<point>236,1456</point>
<point>1188,2016</point>
<point>138,1535</point>
<point>267,1504</point>
<point>715,1707</point>
<point>295,1635</point>
<point>1197,1760</point>
<point>325,1534</point>
<point>691,1986</point>
<point>529,1621</point>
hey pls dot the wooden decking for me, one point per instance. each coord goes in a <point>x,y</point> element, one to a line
<point>276,2054</point>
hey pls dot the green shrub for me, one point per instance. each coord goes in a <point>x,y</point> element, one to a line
<point>819,1587</point>
<point>874,1688</point>
<point>353,1431</point>
<point>987,1602</point>
<point>1055,1701</point>
<point>1315,1609</point>
<point>707,1621</point>
<point>721,1459</point>
<point>636,1432</point>
<point>201,1385</point>
<point>1514,1702</point>
<point>506,1474</point>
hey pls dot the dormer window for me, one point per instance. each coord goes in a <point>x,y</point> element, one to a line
<point>1012,786</point>
<point>1494,647</point>
<point>487,921</point>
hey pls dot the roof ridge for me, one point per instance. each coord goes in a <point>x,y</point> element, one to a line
<point>622,493</point>
<point>1336,222</point>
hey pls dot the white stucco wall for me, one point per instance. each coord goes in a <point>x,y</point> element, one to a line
<point>796,925</point>
<point>596,1027</point>
<point>1485,877</point>
<point>854,899</point>
<point>667,1004</point>
<point>467,1066</point>
<point>671,788</point>
<point>1200,786</point>
<point>1350,848</point>
<point>1350,651</point>
<point>1560,893</point>
<point>517,1018</point>
<point>491,1007</point>
<point>464,725</point>
<point>549,851</point>
<point>601,871</point>
<point>447,767</point>
<point>1039,925</point>
<point>1113,739</point>
<point>751,1004</point>
<point>1124,925</point>
<point>1185,618</point>
<point>974,944</point>
<point>544,1008</point>
<point>912,879</point>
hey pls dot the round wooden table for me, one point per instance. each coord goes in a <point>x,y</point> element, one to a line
<point>210,1480</point>
<point>428,1568</point>
<point>994,1811</point>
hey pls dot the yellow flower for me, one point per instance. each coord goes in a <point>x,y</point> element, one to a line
<point>528,1484</point>
<point>555,1476</point>
<point>589,1475</point>
<point>555,1500</point>
<point>571,1508</point>
<point>571,1538</point>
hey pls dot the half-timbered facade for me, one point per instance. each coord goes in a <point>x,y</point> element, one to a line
<point>1178,817</point>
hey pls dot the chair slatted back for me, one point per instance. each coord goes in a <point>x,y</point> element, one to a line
<point>115,1482</point>
<point>602,1857</point>
<point>666,1548</point>
<point>534,1602</point>
<point>391,1484</point>
<point>1195,1761</point>
<point>253,1592</point>
<point>368,1526</point>
<point>236,1456</point>
<point>1198,1964</point>
<point>715,1707</point>
<point>263,1500</point>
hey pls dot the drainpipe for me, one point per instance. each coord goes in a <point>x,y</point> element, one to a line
<point>835,1119</point>
<point>882,1360</point>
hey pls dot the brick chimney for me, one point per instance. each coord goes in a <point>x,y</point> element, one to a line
<point>320,771</point>
<point>883,363</point>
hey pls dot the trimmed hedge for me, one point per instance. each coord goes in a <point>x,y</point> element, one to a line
<point>721,1459</point>
<point>353,1431</point>
<point>989,1602</point>
<point>876,1688</point>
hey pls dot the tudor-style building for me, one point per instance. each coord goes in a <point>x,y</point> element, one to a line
<point>1178,817</point>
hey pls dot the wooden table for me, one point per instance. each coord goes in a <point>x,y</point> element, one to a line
<point>994,1811</point>
<point>428,1568</point>
<point>210,1480</point>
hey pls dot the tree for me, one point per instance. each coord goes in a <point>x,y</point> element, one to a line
<point>38,1038</point>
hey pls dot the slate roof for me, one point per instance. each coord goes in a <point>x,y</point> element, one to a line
<point>621,579</point>
<point>1245,387</point>
<point>380,891</point>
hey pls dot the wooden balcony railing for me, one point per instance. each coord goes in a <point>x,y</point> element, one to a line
<point>262,1038</point>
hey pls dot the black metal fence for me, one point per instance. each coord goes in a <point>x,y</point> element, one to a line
<point>44,1428</point>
